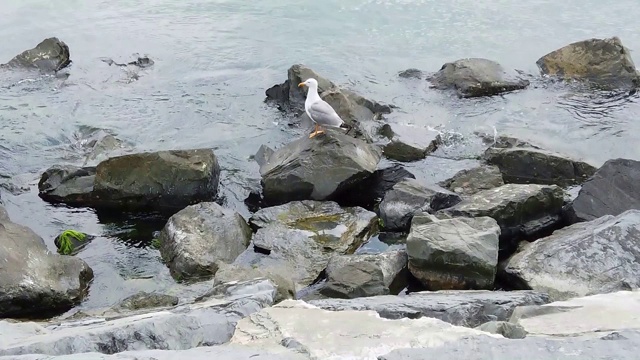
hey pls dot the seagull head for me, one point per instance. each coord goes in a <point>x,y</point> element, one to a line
<point>311,83</point>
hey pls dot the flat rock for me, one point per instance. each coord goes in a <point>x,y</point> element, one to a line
<point>475,77</point>
<point>231,272</point>
<point>49,55</point>
<point>585,258</point>
<point>33,281</point>
<point>604,62</point>
<point>320,168</point>
<point>612,190</point>
<point>409,197</point>
<point>199,237</point>
<point>470,181</point>
<point>409,143</point>
<point>67,184</point>
<point>454,254</point>
<point>145,300</point>
<point>464,308</point>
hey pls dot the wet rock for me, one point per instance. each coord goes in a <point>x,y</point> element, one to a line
<point>296,240</point>
<point>411,74</point>
<point>465,308</point>
<point>369,192</point>
<point>71,242</point>
<point>187,326</point>
<point>321,168</point>
<point>145,300</point>
<point>97,145</point>
<point>581,259</point>
<point>141,62</point>
<point>67,184</point>
<point>504,142</point>
<point>409,197</point>
<point>613,189</point>
<point>605,62</point>
<point>475,77</point>
<point>199,237</point>
<point>535,166</point>
<point>506,329</point>
<point>522,211</point>
<point>470,181</point>
<point>454,254</point>
<point>263,155</point>
<point>49,55</point>
<point>409,143</point>
<point>33,281</point>
<point>230,272</point>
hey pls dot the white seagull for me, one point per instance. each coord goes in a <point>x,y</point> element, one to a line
<point>320,112</point>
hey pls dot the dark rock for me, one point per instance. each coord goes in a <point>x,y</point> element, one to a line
<point>454,254</point>
<point>522,211</point>
<point>411,74</point>
<point>145,300</point>
<point>263,155</point>
<point>70,242</point>
<point>475,77</point>
<point>506,329</point>
<point>33,281</point>
<point>464,308</point>
<point>230,272</point>
<point>409,197</point>
<point>321,168</point>
<point>604,62</point>
<point>613,189</point>
<point>470,181</point>
<point>67,184</point>
<point>409,143</point>
<point>584,258</point>
<point>49,55</point>
<point>199,237</point>
<point>369,192</point>
<point>504,142</point>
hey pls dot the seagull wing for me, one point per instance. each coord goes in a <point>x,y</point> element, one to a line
<point>324,115</point>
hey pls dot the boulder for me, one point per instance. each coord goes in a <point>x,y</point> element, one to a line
<point>612,190</point>
<point>297,240</point>
<point>145,300</point>
<point>199,237</point>
<point>506,329</point>
<point>464,308</point>
<point>584,258</point>
<point>454,254</point>
<point>409,197</point>
<point>49,55</point>
<point>522,211</point>
<point>369,192</point>
<point>33,281</point>
<point>604,62</point>
<point>321,168</point>
<point>67,184</point>
<point>230,272</point>
<point>470,181</point>
<point>522,165</point>
<point>475,77</point>
<point>409,143</point>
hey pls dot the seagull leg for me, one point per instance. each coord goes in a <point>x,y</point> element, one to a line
<point>314,133</point>
<point>320,131</point>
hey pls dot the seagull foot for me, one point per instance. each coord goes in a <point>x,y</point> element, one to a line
<point>313,134</point>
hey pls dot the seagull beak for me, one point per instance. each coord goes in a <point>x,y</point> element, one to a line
<point>301,84</point>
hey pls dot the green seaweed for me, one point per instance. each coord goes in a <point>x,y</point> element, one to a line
<point>155,243</point>
<point>65,241</point>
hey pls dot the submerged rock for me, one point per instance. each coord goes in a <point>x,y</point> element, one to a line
<point>471,181</point>
<point>33,281</point>
<point>199,237</point>
<point>605,62</point>
<point>506,329</point>
<point>70,242</point>
<point>585,258</point>
<point>409,143</point>
<point>475,77</point>
<point>454,254</point>
<point>411,73</point>
<point>67,184</point>
<point>145,300</point>
<point>49,55</point>
<point>321,168</point>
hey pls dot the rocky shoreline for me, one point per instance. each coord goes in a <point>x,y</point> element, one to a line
<point>529,245</point>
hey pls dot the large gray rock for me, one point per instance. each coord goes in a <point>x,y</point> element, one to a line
<point>585,258</point>
<point>454,254</point>
<point>475,77</point>
<point>605,62</point>
<point>49,55</point>
<point>199,237</point>
<point>471,181</point>
<point>409,143</point>
<point>409,197</point>
<point>33,281</point>
<point>67,184</point>
<point>613,189</point>
<point>465,308</point>
<point>200,324</point>
<point>232,272</point>
<point>296,240</point>
<point>320,168</point>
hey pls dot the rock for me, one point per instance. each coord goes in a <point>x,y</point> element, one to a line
<point>584,258</point>
<point>409,143</point>
<point>263,155</point>
<point>97,144</point>
<point>612,190</point>
<point>522,211</point>
<point>145,300</point>
<point>411,74</point>
<point>465,308</point>
<point>320,168</point>
<point>369,192</point>
<point>49,55</point>
<point>199,237</point>
<point>409,197</point>
<point>71,242</point>
<point>67,184</point>
<point>605,62</point>
<point>475,77</point>
<point>470,181</point>
<point>454,254</point>
<point>33,281</point>
<point>230,272</point>
<point>296,240</point>
<point>506,329</point>
<point>535,166</point>
<point>391,262</point>
<point>201,324</point>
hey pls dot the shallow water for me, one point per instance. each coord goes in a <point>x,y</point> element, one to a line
<point>214,59</point>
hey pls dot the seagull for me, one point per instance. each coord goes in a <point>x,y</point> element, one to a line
<point>320,112</point>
